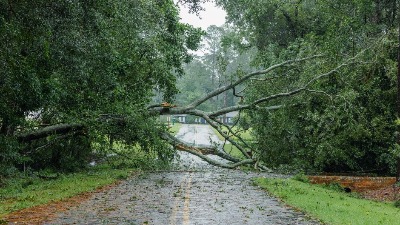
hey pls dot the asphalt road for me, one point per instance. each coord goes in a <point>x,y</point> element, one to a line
<point>196,193</point>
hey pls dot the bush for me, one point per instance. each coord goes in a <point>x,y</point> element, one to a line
<point>9,155</point>
<point>334,186</point>
<point>301,177</point>
<point>68,155</point>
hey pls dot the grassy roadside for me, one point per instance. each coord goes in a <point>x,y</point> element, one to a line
<point>330,206</point>
<point>231,149</point>
<point>175,128</point>
<point>246,135</point>
<point>234,151</point>
<point>23,193</point>
<point>20,191</point>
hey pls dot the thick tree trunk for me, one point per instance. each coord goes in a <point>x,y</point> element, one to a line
<point>50,130</point>
<point>210,117</point>
<point>398,98</point>
<point>3,126</point>
<point>203,151</point>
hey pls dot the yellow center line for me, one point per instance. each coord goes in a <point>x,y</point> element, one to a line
<point>172,219</point>
<point>186,209</point>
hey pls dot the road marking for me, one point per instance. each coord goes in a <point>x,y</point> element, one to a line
<point>186,209</point>
<point>186,181</point>
<point>172,220</point>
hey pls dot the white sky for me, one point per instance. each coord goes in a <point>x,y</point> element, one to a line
<point>212,15</point>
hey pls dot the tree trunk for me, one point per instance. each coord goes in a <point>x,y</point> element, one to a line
<point>398,98</point>
<point>3,127</point>
<point>378,11</point>
<point>50,130</point>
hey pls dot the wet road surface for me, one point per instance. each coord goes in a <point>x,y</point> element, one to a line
<point>196,193</point>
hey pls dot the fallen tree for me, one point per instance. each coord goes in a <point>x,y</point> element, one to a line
<point>97,85</point>
<point>231,136</point>
<point>249,155</point>
<point>50,130</point>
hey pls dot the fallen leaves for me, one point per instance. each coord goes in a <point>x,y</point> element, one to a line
<point>44,213</point>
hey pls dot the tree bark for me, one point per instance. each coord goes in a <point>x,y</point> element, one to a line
<point>212,117</point>
<point>398,97</point>
<point>50,130</point>
<point>202,151</point>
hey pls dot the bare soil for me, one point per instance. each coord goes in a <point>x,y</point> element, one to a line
<point>43,213</point>
<point>381,189</point>
<point>391,193</point>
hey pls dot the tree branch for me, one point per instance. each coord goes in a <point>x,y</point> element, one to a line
<point>211,117</point>
<point>205,150</point>
<point>50,130</point>
<point>246,77</point>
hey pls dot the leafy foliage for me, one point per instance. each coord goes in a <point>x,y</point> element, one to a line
<point>99,63</point>
<point>344,122</point>
<point>83,61</point>
<point>220,65</point>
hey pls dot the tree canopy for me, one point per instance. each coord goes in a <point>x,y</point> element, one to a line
<point>86,61</point>
<point>344,122</point>
<point>314,81</point>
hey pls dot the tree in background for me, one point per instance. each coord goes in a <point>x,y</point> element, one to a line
<point>218,66</point>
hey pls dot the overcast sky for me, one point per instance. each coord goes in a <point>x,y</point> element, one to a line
<point>211,16</point>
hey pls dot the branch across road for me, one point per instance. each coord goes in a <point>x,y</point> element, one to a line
<point>201,135</point>
<point>208,195</point>
<point>197,134</point>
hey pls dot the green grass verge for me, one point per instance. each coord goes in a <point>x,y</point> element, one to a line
<point>233,151</point>
<point>20,193</point>
<point>175,128</point>
<point>331,207</point>
<point>220,137</point>
<point>245,135</point>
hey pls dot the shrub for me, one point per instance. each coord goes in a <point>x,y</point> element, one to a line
<point>68,155</point>
<point>301,177</point>
<point>397,204</point>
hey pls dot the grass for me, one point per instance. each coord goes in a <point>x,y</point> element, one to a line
<point>245,135</point>
<point>231,149</point>
<point>21,191</point>
<point>25,192</point>
<point>175,128</point>
<point>330,206</point>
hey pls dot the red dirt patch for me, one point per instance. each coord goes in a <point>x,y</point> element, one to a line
<point>374,188</point>
<point>355,183</point>
<point>390,193</point>
<point>44,213</point>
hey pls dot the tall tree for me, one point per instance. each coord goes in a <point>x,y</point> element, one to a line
<point>339,125</point>
<point>90,68</point>
<point>83,62</point>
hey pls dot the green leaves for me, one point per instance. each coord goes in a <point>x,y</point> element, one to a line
<point>76,60</point>
<point>345,120</point>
